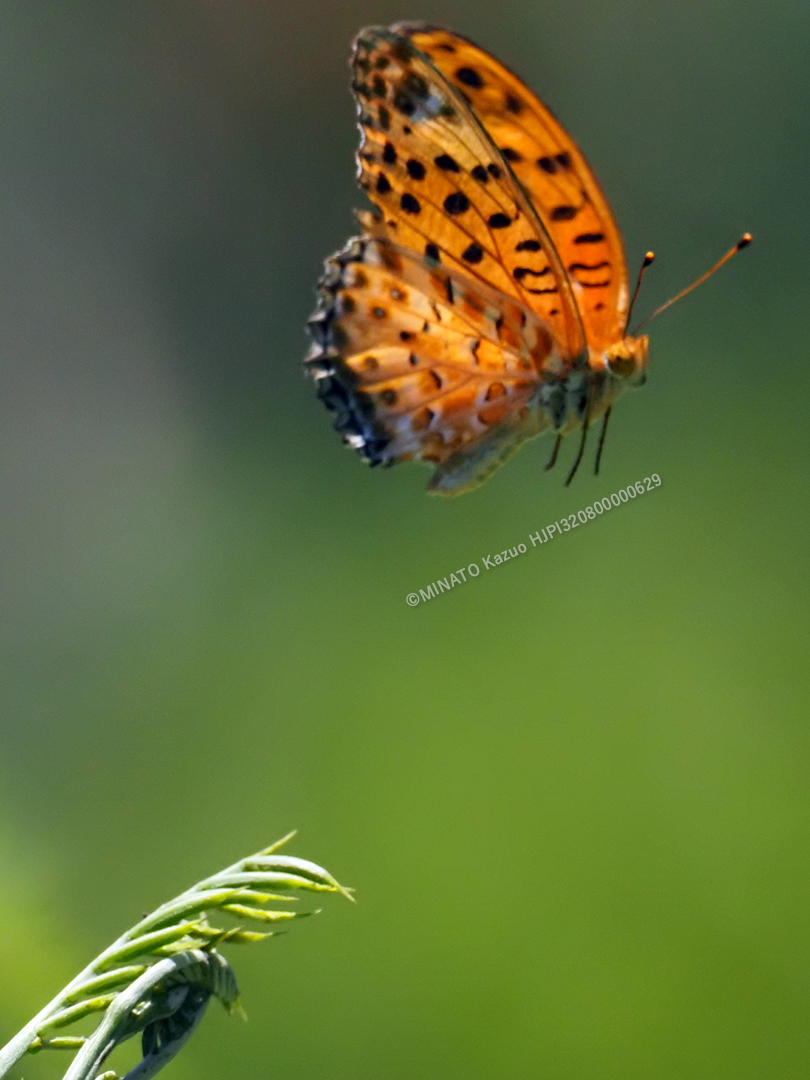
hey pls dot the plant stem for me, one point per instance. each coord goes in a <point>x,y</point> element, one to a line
<point>179,925</point>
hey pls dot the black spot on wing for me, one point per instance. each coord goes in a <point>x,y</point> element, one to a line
<point>547,164</point>
<point>499,221</point>
<point>404,103</point>
<point>514,104</point>
<point>528,245</point>
<point>416,170</point>
<point>480,174</point>
<point>389,154</point>
<point>589,238</point>
<point>410,204</point>
<point>470,77</point>
<point>456,203</point>
<point>402,50</point>
<point>432,253</point>
<point>564,213</point>
<point>510,154</point>
<point>444,161</point>
<point>473,254</point>
<point>522,272</point>
<point>383,185</point>
<point>494,171</point>
<point>417,85</point>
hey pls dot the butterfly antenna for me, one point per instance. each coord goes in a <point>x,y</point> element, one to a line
<point>744,241</point>
<point>648,260</point>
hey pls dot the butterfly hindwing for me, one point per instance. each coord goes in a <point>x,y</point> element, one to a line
<point>412,375</point>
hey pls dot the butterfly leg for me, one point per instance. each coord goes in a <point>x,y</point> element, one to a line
<point>552,460</point>
<point>581,450</point>
<point>602,434</point>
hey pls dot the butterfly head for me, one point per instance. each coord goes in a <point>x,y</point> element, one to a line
<point>627,359</point>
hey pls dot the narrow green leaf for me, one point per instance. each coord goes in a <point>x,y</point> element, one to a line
<point>253,897</point>
<point>64,1043</point>
<point>279,843</point>
<point>300,867</point>
<point>76,1012</point>
<point>280,881</point>
<point>148,944</point>
<point>118,977</point>
<point>190,903</point>
<point>245,937</point>
<point>260,915</point>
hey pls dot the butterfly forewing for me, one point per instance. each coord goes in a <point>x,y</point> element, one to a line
<point>445,191</point>
<point>552,169</point>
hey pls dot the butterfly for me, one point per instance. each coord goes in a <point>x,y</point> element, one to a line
<point>487,299</point>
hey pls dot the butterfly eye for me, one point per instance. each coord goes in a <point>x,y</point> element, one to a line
<point>628,359</point>
<point>620,366</point>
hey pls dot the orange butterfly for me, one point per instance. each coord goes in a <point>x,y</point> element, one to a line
<point>487,300</point>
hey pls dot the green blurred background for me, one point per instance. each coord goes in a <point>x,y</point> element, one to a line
<point>572,794</point>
